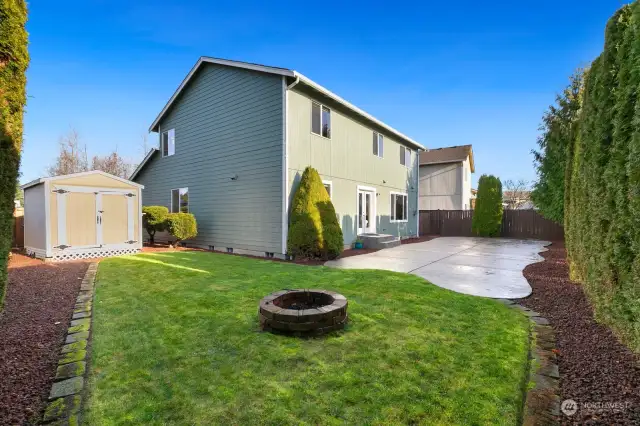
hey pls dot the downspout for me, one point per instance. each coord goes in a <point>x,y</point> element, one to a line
<point>418,193</point>
<point>285,162</point>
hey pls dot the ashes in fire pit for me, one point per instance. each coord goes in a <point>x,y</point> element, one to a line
<point>303,312</point>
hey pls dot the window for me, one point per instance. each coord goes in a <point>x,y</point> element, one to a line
<point>405,156</point>
<point>180,200</point>
<point>399,207</point>
<point>328,185</point>
<point>378,144</point>
<point>168,142</point>
<point>320,120</point>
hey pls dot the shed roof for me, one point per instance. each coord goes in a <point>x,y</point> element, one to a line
<point>450,154</point>
<point>91,172</point>
<point>287,73</point>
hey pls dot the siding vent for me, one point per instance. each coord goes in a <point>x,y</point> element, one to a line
<point>268,254</point>
<point>210,248</point>
<point>229,249</point>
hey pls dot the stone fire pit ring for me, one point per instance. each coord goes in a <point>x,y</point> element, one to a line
<point>303,312</point>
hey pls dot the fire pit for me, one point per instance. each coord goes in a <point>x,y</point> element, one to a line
<point>303,312</point>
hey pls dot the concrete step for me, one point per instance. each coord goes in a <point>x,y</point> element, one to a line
<point>393,243</point>
<point>378,241</point>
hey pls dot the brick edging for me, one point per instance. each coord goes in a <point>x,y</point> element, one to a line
<point>542,400</point>
<point>66,395</point>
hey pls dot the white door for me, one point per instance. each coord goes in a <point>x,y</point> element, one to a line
<point>366,211</point>
<point>94,218</point>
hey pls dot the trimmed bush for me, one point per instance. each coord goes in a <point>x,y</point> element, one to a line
<point>14,59</point>
<point>154,220</point>
<point>314,231</point>
<point>487,215</point>
<point>182,226</point>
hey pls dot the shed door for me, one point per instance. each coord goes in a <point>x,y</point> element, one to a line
<point>81,219</point>
<point>116,219</point>
<point>77,219</point>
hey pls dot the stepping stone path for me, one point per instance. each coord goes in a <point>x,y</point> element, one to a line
<point>67,391</point>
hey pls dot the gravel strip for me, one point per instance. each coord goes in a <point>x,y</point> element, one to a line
<point>33,324</point>
<point>595,368</point>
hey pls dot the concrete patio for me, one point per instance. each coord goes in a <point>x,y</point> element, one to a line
<point>488,267</point>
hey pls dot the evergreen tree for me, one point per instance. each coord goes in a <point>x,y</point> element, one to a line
<point>14,59</point>
<point>560,123</point>
<point>313,226</point>
<point>487,215</point>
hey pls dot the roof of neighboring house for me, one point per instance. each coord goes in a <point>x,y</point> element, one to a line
<point>450,154</point>
<point>294,75</point>
<point>524,195</point>
<point>91,172</point>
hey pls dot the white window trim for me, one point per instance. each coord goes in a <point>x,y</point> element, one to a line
<point>311,122</point>
<point>171,200</point>
<point>330,183</point>
<point>171,133</point>
<point>392,207</point>
<point>407,164</point>
<point>380,135</point>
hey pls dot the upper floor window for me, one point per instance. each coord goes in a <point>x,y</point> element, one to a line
<point>405,156</point>
<point>399,207</point>
<point>378,144</point>
<point>180,200</point>
<point>328,185</point>
<point>320,120</point>
<point>168,142</point>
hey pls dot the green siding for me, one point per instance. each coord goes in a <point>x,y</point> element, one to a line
<point>227,122</point>
<point>347,161</point>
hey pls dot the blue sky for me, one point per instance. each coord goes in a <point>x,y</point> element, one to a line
<point>478,72</point>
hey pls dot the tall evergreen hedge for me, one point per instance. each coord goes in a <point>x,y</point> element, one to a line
<point>559,127</point>
<point>313,225</point>
<point>602,180</point>
<point>14,59</point>
<point>487,215</point>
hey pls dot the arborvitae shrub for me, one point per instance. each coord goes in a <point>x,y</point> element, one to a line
<point>14,59</point>
<point>487,215</point>
<point>313,226</point>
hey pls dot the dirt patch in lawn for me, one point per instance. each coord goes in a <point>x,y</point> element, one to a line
<point>38,306</point>
<point>595,368</point>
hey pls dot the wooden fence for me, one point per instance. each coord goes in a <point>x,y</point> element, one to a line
<point>17,239</point>
<point>515,224</point>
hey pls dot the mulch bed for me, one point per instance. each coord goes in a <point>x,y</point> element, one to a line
<point>38,306</point>
<point>420,239</point>
<point>595,368</point>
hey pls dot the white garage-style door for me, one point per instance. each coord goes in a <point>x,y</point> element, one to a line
<point>94,218</point>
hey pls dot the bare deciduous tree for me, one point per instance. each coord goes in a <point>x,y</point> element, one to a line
<point>72,157</point>
<point>113,164</point>
<point>516,193</point>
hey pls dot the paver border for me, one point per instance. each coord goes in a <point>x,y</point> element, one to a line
<point>67,393</point>
<point>541,389</point>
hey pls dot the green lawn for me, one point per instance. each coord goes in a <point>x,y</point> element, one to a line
<point>176,341</point>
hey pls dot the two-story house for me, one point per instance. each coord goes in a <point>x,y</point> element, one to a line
<point>445,178</point>
<point>235,138</point>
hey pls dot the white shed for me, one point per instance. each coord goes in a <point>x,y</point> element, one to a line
<point>82,215</point>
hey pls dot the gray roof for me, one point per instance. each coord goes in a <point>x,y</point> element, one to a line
<point>451,154</point>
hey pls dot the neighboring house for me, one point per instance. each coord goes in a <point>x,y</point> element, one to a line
<point>445,178</point>
<point>517,200</point>
<point>474,196</point>
<point>235,138</point>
